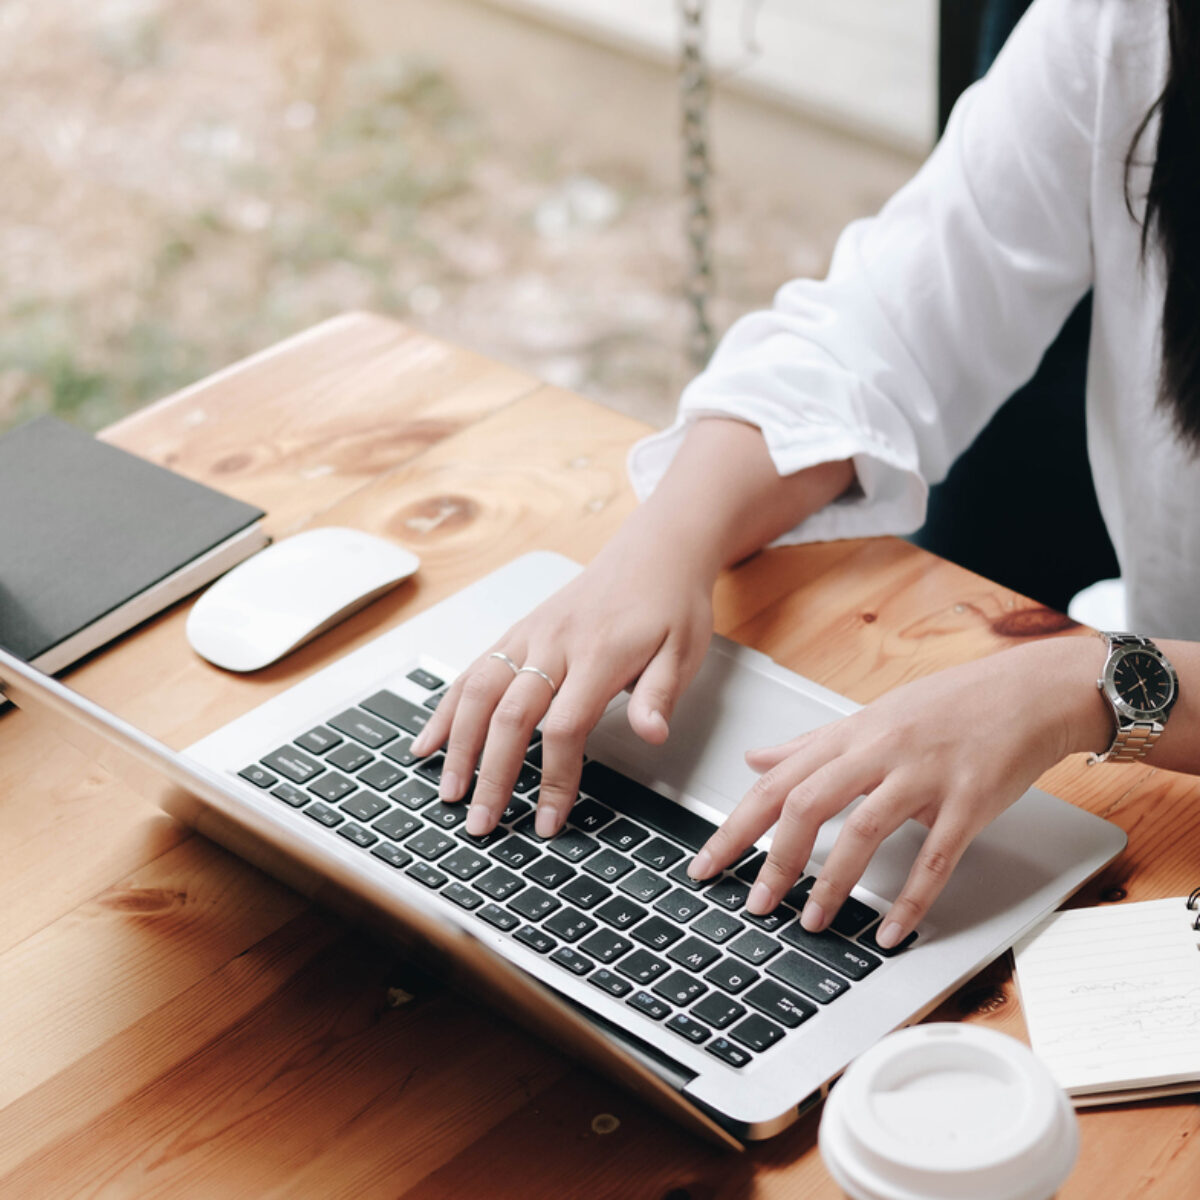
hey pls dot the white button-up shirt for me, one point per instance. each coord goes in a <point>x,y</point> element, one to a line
<point>939,308</point>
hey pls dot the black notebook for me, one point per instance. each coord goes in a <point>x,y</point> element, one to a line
<point>94,540</point>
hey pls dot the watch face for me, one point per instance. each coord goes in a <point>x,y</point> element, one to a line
<point>1143,681</point>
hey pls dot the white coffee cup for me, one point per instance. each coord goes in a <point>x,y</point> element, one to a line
<point>948,1112</point>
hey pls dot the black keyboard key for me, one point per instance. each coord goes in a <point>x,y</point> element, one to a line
<point>570,925</point>
<point>431,768</point>
<point>755,947</point>
<point>396,711</point>
<point>679,987</point>
<point>678,873</point>
<point>757,1033</point>
<point>608,865</point>
<point>293,764</point>
<point>413,794</point>
<point>323,815</point>
<point>728,892</point>
<point>534,904</point>
<point>732,976</point>
<point>727,1052</point>
<point>645,1003</point>
<point>535,939</point>
<point>806,976</point>
<point>397,824</point>
<point>694,953</point>
<point>445,816</point>
<point>499,917</point>
<point>431,702</point>
<point>400,751</point>
<point>550,872</point>
<point>425,679</point>
<point>485,841</point>
<point>350,757</point>
<point>462,895</point>
<point>644,885</point>
<point>868,939</point>
<point>429,843</point>
<point>718,1011</point>
<point>624,835</point>
<point>361,837</point>
<point>642,966</point>
<point>259,776</point>
<point>648,808</point>
<point>516,852</point>
<point>717,926</point>
<point>844,957</point>
<point>606,945</point>
<point>498,883</point>
<point>620,913</point>
<point>515,811</point>
<point>572,960</point>
<point>534,755</point>
<point>588,815</point>
<point>585,892</point>
<point>573,845</point>
<point>381,775</point>
<point>683,1025</point>
<point>464,863</point>
<point>786,1007</point>
<point>364,806</point>
<point>363,728</point>
<point>853,917</point>
<point>291,795</point>
<point>606,981</point>
<point>797,894</point>
<point>658,853</point>
<point>422,872</point>
<point>527,778</point>
<point>776,919</point>
<point>681,905</point>
<point>657,933</point>
<point>332,787</point>
<point>748,871</point>
<point>319,739</point>
<point>392,855</point>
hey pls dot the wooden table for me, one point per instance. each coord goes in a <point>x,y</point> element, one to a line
<point>174,1023</point>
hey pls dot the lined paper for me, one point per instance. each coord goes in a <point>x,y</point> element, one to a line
<point>1112,996</point>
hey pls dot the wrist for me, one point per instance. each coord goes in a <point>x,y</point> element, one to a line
<point>1077,664</point>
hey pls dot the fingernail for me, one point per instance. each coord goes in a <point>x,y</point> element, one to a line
<point>813,917</point>
<point>759,901</point>
<point>418,747</point>
<point>701,866</point>
<point>479,820</point>
<point>450,786</point>
<point>546,823</point>
<point>889,935</point>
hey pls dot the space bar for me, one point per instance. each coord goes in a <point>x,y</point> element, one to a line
<point>633,800</point>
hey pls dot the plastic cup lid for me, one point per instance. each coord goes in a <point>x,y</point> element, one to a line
<point>942,1112</point>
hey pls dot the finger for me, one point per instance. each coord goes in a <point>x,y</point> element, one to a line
<point>757,811</point>
<point>940,854</point>
<point>658,689</point>
<point>807,807</point>
<point>880,814</point>
<point>512,722</point>
<point>763,758</point>
<point>482,690</point>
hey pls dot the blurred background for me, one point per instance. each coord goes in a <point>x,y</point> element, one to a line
<point>188,181</point>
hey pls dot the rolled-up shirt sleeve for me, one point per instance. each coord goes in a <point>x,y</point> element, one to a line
<point>934,311</point>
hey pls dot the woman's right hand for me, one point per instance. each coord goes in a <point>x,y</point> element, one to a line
<point>639,617</point>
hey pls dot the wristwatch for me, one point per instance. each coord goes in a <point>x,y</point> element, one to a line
<point>1140,684</point>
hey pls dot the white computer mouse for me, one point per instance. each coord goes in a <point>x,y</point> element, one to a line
<point>290,592</point>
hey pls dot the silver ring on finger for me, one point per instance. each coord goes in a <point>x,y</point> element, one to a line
<point>541,675</point>
<point>508,662</point>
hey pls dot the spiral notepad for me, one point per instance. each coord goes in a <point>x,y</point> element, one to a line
<point>1112,998</point>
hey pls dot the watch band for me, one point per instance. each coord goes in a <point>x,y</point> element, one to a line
<point>1134,739</point>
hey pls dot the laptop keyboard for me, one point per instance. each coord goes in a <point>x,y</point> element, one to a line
<point>607,899</point>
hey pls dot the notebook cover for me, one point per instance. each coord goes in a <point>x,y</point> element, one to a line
<point>85,526</point>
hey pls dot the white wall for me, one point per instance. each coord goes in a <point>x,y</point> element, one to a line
<point>867,65</point>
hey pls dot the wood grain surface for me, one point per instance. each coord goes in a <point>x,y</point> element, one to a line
<point>175,1024</point>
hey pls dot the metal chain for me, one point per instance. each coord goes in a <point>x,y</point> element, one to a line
<point>697,173</point>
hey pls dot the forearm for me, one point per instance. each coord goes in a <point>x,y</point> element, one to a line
<point>722,498</point>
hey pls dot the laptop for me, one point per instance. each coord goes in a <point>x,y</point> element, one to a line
<point>597,938</point>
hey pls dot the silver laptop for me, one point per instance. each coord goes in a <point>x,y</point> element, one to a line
<point>596,938</point>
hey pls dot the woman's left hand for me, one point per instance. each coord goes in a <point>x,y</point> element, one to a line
<point>952,750</point>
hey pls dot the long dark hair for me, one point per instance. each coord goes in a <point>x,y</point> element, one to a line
<point>1172,217</point>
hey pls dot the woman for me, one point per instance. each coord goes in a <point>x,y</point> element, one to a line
<point>1075,163</point>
